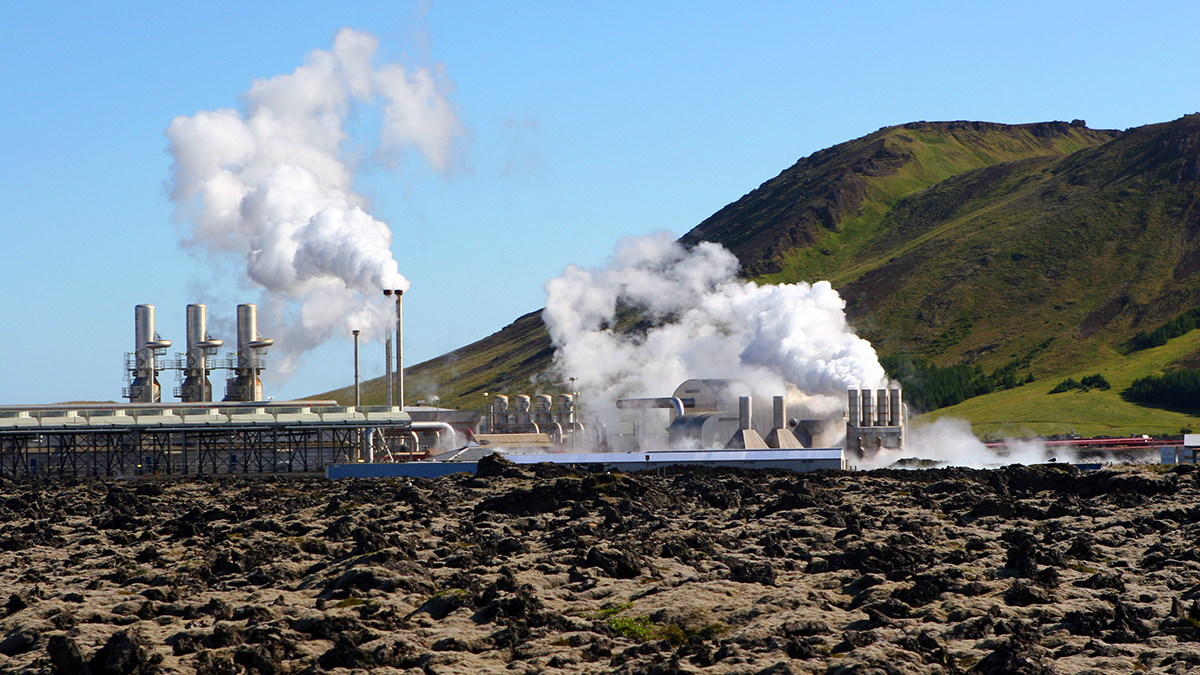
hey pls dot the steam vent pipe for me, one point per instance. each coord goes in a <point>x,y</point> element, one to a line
<point>671,402</point>
<point>357,381</point>
<point>143,388</point>
<point>196,386</point>
<point>399,344</point>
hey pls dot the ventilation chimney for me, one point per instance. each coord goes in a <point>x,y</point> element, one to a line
<point>196,386</point>
<point>398,383</point>
<point>143,366</point>
<point>745,438</point>
<point>781,437</point>
<point>245,385</point>
<point>868,417</point>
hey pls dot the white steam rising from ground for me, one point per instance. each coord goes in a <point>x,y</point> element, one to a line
<point>950,440</point>
<point>705,324</point>
<point>272,186</point>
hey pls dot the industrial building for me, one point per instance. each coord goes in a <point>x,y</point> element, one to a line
<point>706,421</point>
<point>178,439</point>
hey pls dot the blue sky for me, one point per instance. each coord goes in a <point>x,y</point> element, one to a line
<point>584,122</point>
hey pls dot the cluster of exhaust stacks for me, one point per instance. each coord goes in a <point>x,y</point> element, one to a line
<point>148,358</point>
<point>143,365</point>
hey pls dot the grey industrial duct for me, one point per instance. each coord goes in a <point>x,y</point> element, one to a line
<point>671,402</point>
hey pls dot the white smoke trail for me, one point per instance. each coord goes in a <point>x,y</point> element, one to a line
<point>273,186</point>
<point>705,324</point>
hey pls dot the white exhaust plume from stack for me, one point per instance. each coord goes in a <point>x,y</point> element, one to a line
<point>273,186</point>
<point>704,323</point>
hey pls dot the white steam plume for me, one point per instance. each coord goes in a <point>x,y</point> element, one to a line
<point>705,324</point>
<point>273,186</point>
<point>949,440</point>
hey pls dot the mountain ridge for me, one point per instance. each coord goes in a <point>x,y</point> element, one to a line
<point>957,241</point>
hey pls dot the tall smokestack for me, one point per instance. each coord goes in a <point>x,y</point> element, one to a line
<point>143,388</point>
<point>196,387</point>
<point>780,436</point>
<point>400,348</point>
<point>245,385</point>
<point>746,438</point>
<point>357,381</point>
<point>389,385</point>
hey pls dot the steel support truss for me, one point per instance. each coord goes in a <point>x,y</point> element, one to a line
<point>140,451</point>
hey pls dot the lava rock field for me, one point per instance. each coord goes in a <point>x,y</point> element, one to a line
<point>1041,569</point>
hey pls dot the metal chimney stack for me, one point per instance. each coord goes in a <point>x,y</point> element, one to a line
<point>245,385</point>
<point>196,388</point>
<point>399,371</point>
<point>746,437</point>
<point>143,386</point>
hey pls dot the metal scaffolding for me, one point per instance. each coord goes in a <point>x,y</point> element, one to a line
<point>225,449</point>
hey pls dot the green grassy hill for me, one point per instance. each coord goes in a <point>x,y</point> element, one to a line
<point>960,242</point>
<point>1030,410</point>
<point>812,220</point>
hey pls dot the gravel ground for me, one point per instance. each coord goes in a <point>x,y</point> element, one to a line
<point>542,569</point>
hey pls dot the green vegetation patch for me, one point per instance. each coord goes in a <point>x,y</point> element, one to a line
<point>1027,411</point>
<point>1180,325</point>
<point>643,628</point>
<point>1088,383</point>
<point>928,386</point>
<point>639,628</point>
<point>1177,390</point>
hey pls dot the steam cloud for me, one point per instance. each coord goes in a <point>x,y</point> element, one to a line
<point>272,186</point>
<point>705,324</point>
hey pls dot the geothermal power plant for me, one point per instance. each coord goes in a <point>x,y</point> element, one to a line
<point>234,428</point>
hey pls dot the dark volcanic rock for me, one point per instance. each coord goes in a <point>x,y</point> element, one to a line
<point>65,657</point>
<point>125,653</point>
<point>615,563</point>
<point>537,569</point>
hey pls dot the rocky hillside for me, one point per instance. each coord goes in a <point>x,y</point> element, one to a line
<point>1019,570</point>
<point>1058,258</point>
<point>848,188</point>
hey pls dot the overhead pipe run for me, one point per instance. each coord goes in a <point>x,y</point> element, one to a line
<point>671,402</point>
